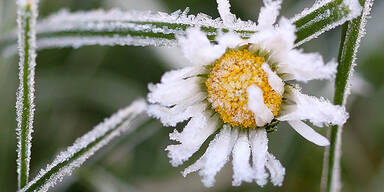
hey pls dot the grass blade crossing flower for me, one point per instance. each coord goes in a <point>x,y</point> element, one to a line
<point>122,122</point>
<point>140,28</point>
<point>26,19</point>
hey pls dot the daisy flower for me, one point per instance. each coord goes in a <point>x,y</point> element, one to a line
<point>237,90</point>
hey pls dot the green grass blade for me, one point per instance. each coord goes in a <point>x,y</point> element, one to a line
<point>122,122</point>
<point>324,16</point>
<point>160,29</point>
<point>26,17</point>
<point>352,33</point>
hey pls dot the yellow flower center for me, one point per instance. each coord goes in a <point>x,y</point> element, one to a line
<point>227,85</point>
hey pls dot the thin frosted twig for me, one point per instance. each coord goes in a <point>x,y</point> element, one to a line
<point>122,122</point>
<point>26,19</point>
<point>352,33</point>
<point>145,28</point>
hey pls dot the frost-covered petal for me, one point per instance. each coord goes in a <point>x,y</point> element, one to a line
<point>242,170</point>
<point>308,133</point>
<point>278,41</point>
<point>170,116</point>
<point>215,157</point>
<point>274,80</point>
<point>269,13</point>
<point>197,48</point>
<point>318,111</point>
<point>259,146</point>
<point>175,92</point>
<point>181,74</point>
<point>276,170</point>
<point>223,6</point>
<point>306,66</point>
<point>198,129</point>
<point>229,40</point>
<point>263,114</point>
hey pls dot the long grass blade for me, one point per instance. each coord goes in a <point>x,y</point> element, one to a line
<point>352,33</point>
<point>122,122</point>
<point>139,28</point>
<point>27,14</point>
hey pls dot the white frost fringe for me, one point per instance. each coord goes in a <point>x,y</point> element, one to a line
<point>26,39</point>
<point>125,120</point>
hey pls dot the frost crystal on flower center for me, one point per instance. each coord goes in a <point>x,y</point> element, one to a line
<point>227,84</point>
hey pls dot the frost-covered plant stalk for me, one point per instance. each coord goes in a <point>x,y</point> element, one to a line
<point>122,122</point>
<point>351,36</point>
<point>26,19</point>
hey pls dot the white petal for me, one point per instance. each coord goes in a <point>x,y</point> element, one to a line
<point>306,66</point>
<point>179,113</point>
<point>259,145</point>
<point>274,80</point>
<point>278,41</point>
<point>269,13</point>
<point>263,114</point>
<point>223,6</point>
<point>215,157</point>
<point>276,170</point>
<point>176,92</point>
<point>180,74</point>
<point>197,48</point>
<point>242,170</point>
<point>308,133</point>
<point>229,40</point>
<point>318,111</point>
<point>198,129</point>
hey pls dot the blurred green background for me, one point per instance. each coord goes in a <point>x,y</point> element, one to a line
<point>77,88</point>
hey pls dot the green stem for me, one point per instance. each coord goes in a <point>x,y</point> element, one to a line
<point>24,98</point>
<point>351,35</point>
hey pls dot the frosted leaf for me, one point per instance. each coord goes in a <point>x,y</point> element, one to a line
<point>353,7</point>
<point>198,129</point>
<point>26,19</point>
<point>318,111</point>
<point>122,122</point>
<point>308,133</point>
<point>215,157</point>
<point>361,33</point>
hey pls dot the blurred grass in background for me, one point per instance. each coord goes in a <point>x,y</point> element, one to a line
<point>76,89</point>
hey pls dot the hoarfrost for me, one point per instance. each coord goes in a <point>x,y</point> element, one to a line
<point>352,5</point>
<point>25,107</point>
<point>363,22</point>
<point>84,147</point>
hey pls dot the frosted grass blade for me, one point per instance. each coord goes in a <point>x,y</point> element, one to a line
<point>139,28</point>
<point>324,16</point>
<point>352,33</point>
<point>122,122</point>
<point>26,19</point>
